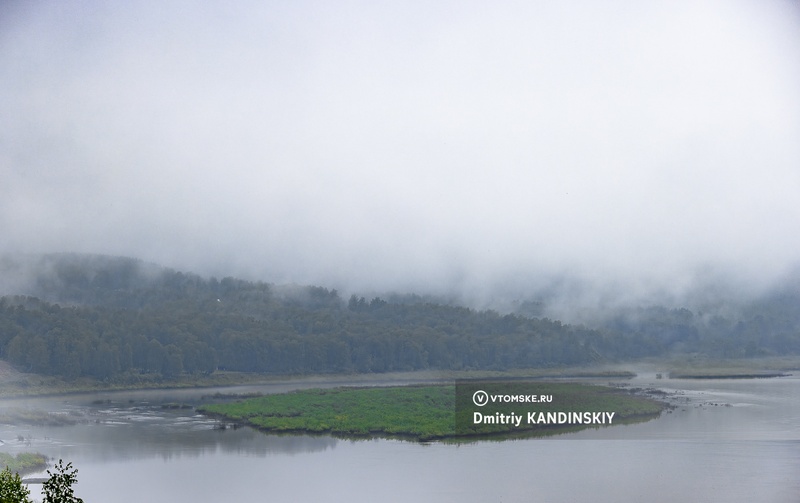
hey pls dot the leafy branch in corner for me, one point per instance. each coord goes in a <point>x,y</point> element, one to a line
<point>58,487</point>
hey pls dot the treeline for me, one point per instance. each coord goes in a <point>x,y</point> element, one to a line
<point>110,317</point>
<point>767,326</point>
<point>199,336</point>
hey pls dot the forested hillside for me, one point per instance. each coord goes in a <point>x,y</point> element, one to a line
<point>106,317</point>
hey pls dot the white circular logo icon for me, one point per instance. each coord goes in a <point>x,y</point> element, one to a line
<point>480,398</point>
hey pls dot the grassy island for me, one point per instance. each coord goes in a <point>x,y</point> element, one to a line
<point>422,412</point>
<point>24,462</point>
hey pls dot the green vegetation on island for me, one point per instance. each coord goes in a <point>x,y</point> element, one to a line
<point>24,462</point>
<point>423,412</point>
<point>419,412</point>
<point>606,405</point>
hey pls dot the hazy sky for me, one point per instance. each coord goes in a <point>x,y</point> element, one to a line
<point>411,145</point>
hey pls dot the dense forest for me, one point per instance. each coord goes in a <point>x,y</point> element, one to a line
<point>110,317</point>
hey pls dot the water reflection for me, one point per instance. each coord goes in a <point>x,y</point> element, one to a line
<point>142,432</point>
<point>731,441</point>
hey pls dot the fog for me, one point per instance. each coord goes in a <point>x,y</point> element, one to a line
<point>489,151</point>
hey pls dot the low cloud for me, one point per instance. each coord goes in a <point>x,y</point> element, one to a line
<point>447,148</point>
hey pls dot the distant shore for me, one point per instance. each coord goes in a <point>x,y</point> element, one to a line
<point>727,375</point>
<point>14,383</point>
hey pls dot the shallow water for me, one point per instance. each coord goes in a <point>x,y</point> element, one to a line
<point>727,441</point>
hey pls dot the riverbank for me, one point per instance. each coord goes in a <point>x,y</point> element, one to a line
<point>14,383</point>
<point>751,368</point>
<point>423,412</point>
<point>726,374</point>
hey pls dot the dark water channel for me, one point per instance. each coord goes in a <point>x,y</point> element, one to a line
<point>727,441</point>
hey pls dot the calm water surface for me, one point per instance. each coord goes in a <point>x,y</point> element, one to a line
<point>728,441</point>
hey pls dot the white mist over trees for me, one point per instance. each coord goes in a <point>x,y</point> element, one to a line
<point>462,148</point>
<point>122,321</point>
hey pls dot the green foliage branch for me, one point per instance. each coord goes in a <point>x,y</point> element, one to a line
<point>58,487</point>
<point>12,490</point>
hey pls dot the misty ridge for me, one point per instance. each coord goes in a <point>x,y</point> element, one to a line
<point>120,318</point>
<point>583,173</point>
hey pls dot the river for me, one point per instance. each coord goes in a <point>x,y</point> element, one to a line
<point>727,441</point>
